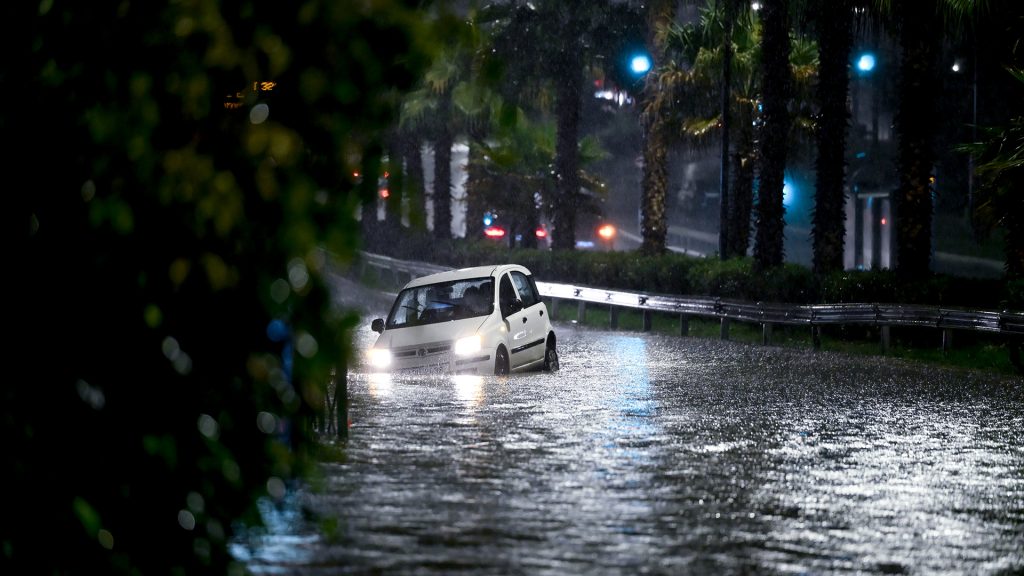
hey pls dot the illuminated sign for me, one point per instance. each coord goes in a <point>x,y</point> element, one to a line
<point>234,101</point>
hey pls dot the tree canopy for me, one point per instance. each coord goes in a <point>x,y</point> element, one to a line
<point>192,170</point>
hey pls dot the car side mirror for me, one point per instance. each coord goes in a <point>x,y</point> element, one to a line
<point>377,325</point>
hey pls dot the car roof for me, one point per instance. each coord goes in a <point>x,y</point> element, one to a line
<point>466,273</point>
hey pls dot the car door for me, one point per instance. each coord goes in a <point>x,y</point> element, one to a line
<point>516,321</point>
<point>532,317</point>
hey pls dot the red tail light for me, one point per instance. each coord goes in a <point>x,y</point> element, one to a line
<point>494,232</point>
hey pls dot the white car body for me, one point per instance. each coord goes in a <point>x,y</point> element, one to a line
<point>481,320</point>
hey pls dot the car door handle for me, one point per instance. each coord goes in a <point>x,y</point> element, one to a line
<point>524,319</point>
<point>541,312</point>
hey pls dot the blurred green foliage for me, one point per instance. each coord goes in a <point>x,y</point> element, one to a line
<point>182,167</point>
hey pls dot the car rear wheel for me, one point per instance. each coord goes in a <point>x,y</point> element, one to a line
<point>551,359</point>
<point>501,361</point>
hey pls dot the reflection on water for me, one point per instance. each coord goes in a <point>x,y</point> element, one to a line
<point>379,384</point>
<point>469,388</point>
<point>282,544</point>
<point>649,454</point>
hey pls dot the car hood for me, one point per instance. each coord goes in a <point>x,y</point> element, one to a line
<point>439,332</point>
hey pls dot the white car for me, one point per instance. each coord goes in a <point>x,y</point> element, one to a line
<point>458,322</point>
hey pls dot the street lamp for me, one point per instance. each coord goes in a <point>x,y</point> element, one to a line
<point>866,63</point>
<point>640,64</point>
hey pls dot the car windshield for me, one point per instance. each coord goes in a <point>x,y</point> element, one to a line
<point>442,302</point>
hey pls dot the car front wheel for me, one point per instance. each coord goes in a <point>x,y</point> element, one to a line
<point>551,359</point>
<point>501,361</point>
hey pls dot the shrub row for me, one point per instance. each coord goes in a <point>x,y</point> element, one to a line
<point>678,274</point>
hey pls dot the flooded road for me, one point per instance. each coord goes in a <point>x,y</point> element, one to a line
<point>653,454</point>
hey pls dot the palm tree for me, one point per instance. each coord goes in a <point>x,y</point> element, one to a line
<point>692,91</point>
<point>511,173</point>
<point>1000,169</point>
<point>919,39</point>
<point>654,187</point>
<point>834,26</point>
<point>776,87</point>
<point>449,103</point>
<point>545,47</point>
<point>920,27</point>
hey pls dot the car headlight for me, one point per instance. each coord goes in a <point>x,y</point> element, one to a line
<point>466,346</point>
<point>380,357</point>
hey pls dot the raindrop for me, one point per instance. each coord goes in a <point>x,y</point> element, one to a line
<point>306,345</point>
<point>275,487</point>
<point>201,547</point>
<point>259,113</point>
<point>91,395</point>
<point>266,422</point>
<point>231,471</point>
<point>186,520</point>
<point>195,502</point>
<point>153,316</point>
<point>215,529</point>
<point>106,539</point>
<point>88,190</point>
<point>277,330</point>
<point>208,426</point>
<point>297,274</point>
<point>183,364</point>
<point>279,290</point>
<point>170,348</point>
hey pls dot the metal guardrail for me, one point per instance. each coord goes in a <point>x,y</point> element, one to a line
<point>1006,322</point>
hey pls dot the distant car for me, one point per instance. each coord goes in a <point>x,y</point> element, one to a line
<point>458,322</point>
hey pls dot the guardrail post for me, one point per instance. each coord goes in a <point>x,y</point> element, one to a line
<point>581,312</point>
<point>766,333</point>
<point>947,339</point>
<point>816,337</point>
<point>554,308</point>
<point>684,325</point>
<point>723,329</point>
<point>341,401</point>
<point>647,320</point>
<point>885,340</point>
<point>613,317</point>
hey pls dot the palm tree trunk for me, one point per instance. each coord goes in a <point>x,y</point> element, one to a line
<point>654,184</point>
<point>443,170</point>
<point>776,87</point>
<point>742,189</point>
<point>724,226</point>
<point>395,179</point>
<point>567,155</point>
<point>653,227</point>
<point>414,180</point>
<point>474,202</point>
<point>835,24</point>
<point>919,47</point>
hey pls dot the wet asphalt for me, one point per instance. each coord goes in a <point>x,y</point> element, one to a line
<point>654,454</point>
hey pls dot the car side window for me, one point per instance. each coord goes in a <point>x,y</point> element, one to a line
<point>526,291</point>
<point>506,295</point>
